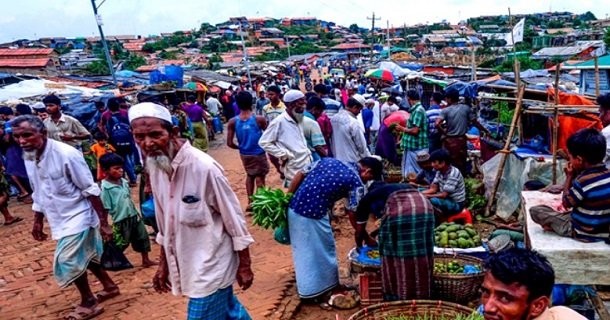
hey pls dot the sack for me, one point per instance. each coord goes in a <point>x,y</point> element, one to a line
<point>113,258</point>
<point>282,235</point>
<point>119,133</point>
<point>148,208</point>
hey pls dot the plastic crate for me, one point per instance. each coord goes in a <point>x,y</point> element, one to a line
<point>371,290</point>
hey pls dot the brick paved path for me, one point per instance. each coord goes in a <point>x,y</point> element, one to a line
<point>28,289</point>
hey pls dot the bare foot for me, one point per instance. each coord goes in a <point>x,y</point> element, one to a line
<point>149,263</point>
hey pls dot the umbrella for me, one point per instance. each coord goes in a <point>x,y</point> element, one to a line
<point>382,74</point>
<point>397,89</point>
<point>196,86</point>
<point>399,117</point>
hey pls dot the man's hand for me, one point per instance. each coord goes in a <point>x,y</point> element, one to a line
<point>161,282</point>
<point>569,169</point>
<point>37,232</point>
<point>244,277</point>
<point>106,232</point>
<point>65,137</point>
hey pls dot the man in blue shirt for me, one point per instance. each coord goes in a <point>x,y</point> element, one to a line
<point>434,136</point>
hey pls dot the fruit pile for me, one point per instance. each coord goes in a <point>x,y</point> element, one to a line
<point>452,235</point>
<point>373,254</point>
<point>452,267</point>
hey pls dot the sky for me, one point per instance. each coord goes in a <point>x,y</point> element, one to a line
<point>32,19</point>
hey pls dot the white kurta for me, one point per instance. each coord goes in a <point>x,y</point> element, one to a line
<point>201,239</point>
<point>348,142</point>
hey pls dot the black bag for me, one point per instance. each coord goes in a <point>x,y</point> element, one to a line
<point>113,258</point>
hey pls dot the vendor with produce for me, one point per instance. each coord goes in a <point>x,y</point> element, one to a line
<point>518,285</point>
<point>447,192</point>
<point>316,188</point>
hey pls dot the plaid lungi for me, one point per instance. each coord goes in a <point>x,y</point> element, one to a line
<point>221,305</point>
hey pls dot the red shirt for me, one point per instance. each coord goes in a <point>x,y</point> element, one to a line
<point>325,127</point>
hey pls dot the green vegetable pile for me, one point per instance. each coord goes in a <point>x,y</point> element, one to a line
<point>474,199</point>
<point>473,316</point>
<point>117,237</point>
<point>269,208</point>
<point>452,235</point>
<point>452,267</point>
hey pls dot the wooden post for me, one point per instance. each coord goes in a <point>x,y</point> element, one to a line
<point>596,61</point>
<point>506,150</point>
<point>556,123</point>
<point>474,65</point>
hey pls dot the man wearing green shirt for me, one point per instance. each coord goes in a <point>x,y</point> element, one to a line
<point>415,135</point>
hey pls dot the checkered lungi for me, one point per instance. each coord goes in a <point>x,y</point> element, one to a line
<point>221,305</point>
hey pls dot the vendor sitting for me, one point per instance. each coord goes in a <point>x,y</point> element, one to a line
<point>586,191</point>
<point>518,284</point>
<point>447,193</point>
<point>425,177</point>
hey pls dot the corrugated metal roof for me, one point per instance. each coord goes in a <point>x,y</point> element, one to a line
<point>24,63</point>
<point>25,51</point>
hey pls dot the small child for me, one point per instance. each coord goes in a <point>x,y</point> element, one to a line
<point>586,192</point>
<point>4,195</point>
<point>100,148</point>
<point>116,196</point>
<point>447,191</point>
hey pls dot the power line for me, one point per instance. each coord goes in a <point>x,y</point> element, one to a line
<point>98,20</point>
<point>372,32</point>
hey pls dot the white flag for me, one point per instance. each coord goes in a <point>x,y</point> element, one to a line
<point>517,33</point>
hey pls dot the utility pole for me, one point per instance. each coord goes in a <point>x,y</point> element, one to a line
<point>387,38</point>
<point>372,33</point>
<point>246,60</point>
<point>98,19</point>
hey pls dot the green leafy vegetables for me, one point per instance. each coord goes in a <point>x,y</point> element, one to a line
<point>269,208</point>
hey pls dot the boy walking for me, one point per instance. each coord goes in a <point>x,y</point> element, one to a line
<point>116,196</point>
<point>99,149</point>
<point>586,191</point>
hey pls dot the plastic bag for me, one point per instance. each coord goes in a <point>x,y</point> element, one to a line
<point>148,208</point>
<point>113,258</point>
<point>282,235</point>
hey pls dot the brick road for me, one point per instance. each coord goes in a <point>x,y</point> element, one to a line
<point>28,289</point>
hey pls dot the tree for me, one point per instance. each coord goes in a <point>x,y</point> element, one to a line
<point>206,28</point>
<point>588,16</point>
<point>167,55</point>
<point>97,68</point>
<point>354,28</point>
<point>525,62</point>
<point>133,62</point>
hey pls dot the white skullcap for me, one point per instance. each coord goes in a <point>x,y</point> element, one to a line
<point>360,99</point>
<point>149,109</point>
<point>369,101</point>
<point>39,106</point>
<point>293,95</point>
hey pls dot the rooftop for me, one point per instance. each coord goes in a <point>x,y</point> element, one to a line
<point>26,52</point>
<point>24,63</point>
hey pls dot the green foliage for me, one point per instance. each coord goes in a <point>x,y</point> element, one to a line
<point>270,207</point>
<point>588,16</point>
<point>133,62</point>
<point>607,38</point>
<point>206,28</point>
<point>167,55</point>
<point>474,198</point>
<point>97,68</point>
<point>555,24</point>
<point>505,113</point>
<point>353,28</point>
<point>298,30</point>
<point>526,63</point>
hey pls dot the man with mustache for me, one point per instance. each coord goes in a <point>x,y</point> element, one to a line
<point>66,195</point>
<point>202,231</point>
<point>518,285</point>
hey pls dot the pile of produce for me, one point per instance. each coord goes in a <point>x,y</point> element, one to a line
<point>453,267</point>
<point>270,207</point>
<point>474,198</point>
<point>452,235</point>
<point>373,254</point>
<point>474,316</point>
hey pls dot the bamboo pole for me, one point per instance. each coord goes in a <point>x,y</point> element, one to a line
<point>506,150</point>
<point>556,123</point>
<point>596,61</point>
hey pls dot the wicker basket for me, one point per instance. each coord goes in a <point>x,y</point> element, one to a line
<point>411,308</point>
<point>459,288</point>
<point>393,177</point>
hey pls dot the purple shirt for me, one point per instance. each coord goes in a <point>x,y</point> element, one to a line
<point>194,112</point>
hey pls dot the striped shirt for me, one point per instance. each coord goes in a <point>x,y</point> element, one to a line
<point>433,113</point>
<point>418,119</point>
<point>451,182</point>
<point>589,198</point>
<point>270,112</point>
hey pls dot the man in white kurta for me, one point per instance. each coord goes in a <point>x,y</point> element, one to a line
<point>348,141</point>
<point>202,229</point>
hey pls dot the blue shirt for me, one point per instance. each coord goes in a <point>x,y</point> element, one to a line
<point>433,113</point>
<point>248,133</point>
<point>326,181</point>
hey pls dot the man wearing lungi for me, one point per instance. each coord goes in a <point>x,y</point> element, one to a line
<point>202,231</point>
<point>65,193</point>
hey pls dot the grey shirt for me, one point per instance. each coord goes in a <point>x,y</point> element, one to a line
<point>458,118</point>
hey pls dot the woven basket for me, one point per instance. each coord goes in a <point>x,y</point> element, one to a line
<point>410,309</point>
<point>459,288</point>
<point>393,176</point>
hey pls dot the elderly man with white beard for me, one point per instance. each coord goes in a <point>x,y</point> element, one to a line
<point>66,195</point>
<point>202,231</point>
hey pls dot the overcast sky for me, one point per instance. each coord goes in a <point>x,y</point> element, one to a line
<point>69,18</point>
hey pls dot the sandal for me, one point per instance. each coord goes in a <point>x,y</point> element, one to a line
<point>15,220</point>
<point>106,295</point>
<point>83,313</point>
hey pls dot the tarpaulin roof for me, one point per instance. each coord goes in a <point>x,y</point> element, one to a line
<point>603,63</point>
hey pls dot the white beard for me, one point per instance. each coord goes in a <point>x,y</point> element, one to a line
<point>161,162</point>
<point>29,155</point>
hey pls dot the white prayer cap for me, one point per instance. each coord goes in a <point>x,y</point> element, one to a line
<point>360,99</point>
<point>293,95</point>
<point>149,109</point>
<point>369,101</point>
